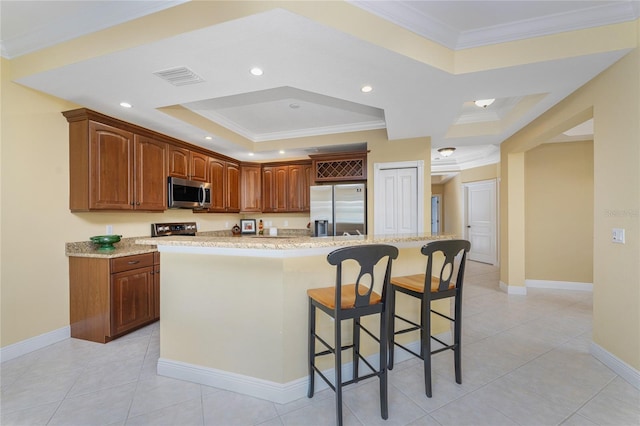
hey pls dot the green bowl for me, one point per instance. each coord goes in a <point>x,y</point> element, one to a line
<point>105,242</point>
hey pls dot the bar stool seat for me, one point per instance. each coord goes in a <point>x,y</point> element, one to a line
<point>445,284</point>
<point>352,301</point>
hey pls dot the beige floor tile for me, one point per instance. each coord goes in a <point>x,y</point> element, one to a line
<point>526,361</point>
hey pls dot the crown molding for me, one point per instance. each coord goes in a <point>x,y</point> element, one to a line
<point>402,13</point>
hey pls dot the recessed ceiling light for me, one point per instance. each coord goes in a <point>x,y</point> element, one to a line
<point>125,105</point>
<point>366,89</point>
<point>294,106</point>
<point>208,138</point>
<point>281,151</point>
<point>483,103</point>
<point>256,71</point>
<point>251,154</point>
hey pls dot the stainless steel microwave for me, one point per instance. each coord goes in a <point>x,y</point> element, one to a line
<point>188,194</point>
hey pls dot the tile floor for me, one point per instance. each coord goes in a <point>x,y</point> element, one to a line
<point>525,362</point>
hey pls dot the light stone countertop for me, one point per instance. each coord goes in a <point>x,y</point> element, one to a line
<point>129,247</point>
<point>126,247</point>
<point>289,243</point>
<point>260,244</point>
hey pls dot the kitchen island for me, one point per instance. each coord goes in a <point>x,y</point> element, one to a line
<point>234,309</point>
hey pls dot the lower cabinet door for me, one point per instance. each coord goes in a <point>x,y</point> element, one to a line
<point>132,299</point>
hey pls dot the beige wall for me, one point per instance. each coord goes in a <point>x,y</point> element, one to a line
<point>612,99</point>
<point>452,206</point>
<point>453,203</point>
<point>491,171</point>
<point>559,212</point>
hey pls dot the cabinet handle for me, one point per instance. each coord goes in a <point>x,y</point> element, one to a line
<point>133,262</point>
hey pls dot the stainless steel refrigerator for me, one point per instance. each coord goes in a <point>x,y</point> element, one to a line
<point>339,209</point>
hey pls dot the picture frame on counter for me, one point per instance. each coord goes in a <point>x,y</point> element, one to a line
<point>248,226</point>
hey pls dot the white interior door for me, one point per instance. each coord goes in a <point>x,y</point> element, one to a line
<point>398,199</point>
<point>481,218</point>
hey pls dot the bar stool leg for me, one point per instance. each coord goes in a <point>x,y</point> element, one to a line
<point>338,367</point>
<point>426,346</point>
<point>356,348</point>
<point>457,339</point>
<point>391,311</point>
<point>384,406</point>
<point>312,348</point>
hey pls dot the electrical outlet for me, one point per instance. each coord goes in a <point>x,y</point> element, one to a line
<point>109,229</point>
<point>286,223</point>
<point>617,235</point>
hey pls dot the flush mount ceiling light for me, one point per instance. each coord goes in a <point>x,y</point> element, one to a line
<point>483,103</point>
<point>366,89</point>
<point>125,105</point>
<point>256,71</point>
<point>208,138</point>
<point>445,152</point>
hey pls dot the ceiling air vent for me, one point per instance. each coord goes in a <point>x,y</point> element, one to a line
<point>179,76</point>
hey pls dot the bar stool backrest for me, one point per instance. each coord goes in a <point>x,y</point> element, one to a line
<point>455,259</point>
<point>367,257</point>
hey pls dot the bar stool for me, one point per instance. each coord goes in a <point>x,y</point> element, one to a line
<point>352,301</point>
<point>447,284</point>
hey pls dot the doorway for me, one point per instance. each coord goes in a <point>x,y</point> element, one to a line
<point>481,217</point>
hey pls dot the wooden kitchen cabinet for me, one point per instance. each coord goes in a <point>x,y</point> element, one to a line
<point>187,164</point>
<point>150,171</point>
<point>225,186</point>
<point>111,297</point>
<point>275,188</point>
<point>308,181</point>
<point>198,166</point>
<point>268,191</point>
<point>285,187</point>
<point>296,188</point>
<point>250,188</point>
<point>156,285</point>
<point>178,162</point>
<point>112,168</point>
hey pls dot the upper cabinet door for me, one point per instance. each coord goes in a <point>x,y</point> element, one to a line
<point>111,168</point>
<point>218,185</point>
<point>233,187</point>
<point>150,174</point>
<point>178,162</point>
<point>199,169</point>
<point>296,182</point>
<point>251,183</point>
<point>268,190</point>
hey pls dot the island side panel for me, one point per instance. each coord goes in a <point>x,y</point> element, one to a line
<point>223,312</point>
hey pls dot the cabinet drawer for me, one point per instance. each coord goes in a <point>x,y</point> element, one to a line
<point>120,264</point>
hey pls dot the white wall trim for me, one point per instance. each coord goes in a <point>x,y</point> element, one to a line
<point>620,367</point>
<point>513,289</point>
<point>280,393</point>
<point>559,285</point>
<point>34,343</point>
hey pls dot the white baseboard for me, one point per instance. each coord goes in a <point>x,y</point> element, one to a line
<point>34,343</point>
<point>621,368</point>
<point>559,285</point>
<point>280,393</point>
<point>513,289</point>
